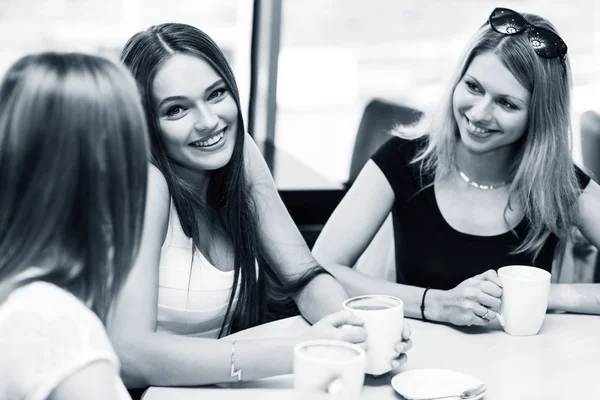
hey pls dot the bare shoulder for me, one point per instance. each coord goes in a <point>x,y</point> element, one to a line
<point>254,162</point>
<point>373,178</point>
<point>158,202</point>
<point>591,192</point>
<point>589,200</point>
<point>589,213</point>
<point>157,183</point>
<point>251,150</point>
<point>250,146</point>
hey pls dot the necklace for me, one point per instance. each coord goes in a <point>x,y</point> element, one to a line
<point>477,185</point>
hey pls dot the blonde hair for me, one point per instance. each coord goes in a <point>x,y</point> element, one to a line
<point>73,156</point>
<point>543,175</point>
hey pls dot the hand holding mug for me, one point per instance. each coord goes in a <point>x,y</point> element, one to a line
<point>401,348</point>
<point>383,318</point>
<point>474,301</point>
<point>342,325</point>
<point>524,299</point>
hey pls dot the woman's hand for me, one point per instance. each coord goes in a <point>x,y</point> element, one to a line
<point>401,348</point>
<point>342,325</point>
<point>345,326</point>
<point>474,301</point>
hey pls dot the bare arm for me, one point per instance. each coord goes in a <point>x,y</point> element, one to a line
<point>284,246</point>
<point>151,358</point>
<point>582,298</point>
<point>356,219</point>
<point>349,231</point>
<point>351,228</point>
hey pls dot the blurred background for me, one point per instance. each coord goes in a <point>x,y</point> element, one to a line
<point>323,81</point>
<point>326,59</point>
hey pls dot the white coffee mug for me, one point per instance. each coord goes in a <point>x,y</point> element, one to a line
<point>328,367</point>
<point>384,321</point>
<point>524,299</point>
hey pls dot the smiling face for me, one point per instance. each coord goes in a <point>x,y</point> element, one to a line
<point>197,115</point>
<point>490,106</point>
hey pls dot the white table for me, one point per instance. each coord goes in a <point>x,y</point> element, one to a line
<point>561,362</point>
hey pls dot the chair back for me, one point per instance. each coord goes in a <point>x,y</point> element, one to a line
<point>378,119</point>
<point>590,142</point>
<point>590,147</point>
<point>376,123</point>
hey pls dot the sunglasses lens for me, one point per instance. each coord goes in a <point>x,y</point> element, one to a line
<point>547,44</point>
<point>507,22</point>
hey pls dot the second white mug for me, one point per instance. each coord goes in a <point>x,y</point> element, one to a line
<point>384,321</point>
<point>525,292</point>
<point>328,368</point>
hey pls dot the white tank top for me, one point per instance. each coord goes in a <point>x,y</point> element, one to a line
<point>192,295</point>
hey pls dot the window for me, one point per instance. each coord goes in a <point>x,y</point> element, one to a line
<point>103,26</point>
<point>336,55</point>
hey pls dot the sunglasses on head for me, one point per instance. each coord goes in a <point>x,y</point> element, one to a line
<point>545,43</point>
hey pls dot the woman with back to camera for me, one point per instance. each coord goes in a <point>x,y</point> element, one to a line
<point>73,156</point>
<point>487,181</point>
<point>213,211</point>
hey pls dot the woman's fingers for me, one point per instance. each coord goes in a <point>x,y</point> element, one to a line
<point>475,300</point>
<point>406,331</point>
<point>482,315</point>
<point>363,345</point>
<point>331,385</point>
<point>488,301</point>
<point>342,318</point>
<point>491,288</point>
<point>353,334</point>
<point>486,293</point>
<point>491,276</point>
<point>398,363</point>
<point>403,346</point>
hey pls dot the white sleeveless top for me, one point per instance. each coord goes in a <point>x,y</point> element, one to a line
<point>192,294</point>
<point>47,335</point>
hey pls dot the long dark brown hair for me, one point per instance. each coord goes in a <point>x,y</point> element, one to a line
<point>73,162</point>
<point>261,297</point>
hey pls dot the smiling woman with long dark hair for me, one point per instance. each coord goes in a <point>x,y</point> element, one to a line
<point>220,251</point>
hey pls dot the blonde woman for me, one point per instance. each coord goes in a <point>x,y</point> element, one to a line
<point>487,181</point>
<point>73,156</point>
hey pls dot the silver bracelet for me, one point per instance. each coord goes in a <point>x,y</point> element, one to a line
<point>234,372</point>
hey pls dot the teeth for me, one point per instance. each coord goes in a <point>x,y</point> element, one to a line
<point>477,129</point>
<point>213,140</point>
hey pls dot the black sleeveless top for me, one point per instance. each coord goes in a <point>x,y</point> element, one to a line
<point>429,252</point>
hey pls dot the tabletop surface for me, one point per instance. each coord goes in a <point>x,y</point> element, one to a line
<point>561,362</point>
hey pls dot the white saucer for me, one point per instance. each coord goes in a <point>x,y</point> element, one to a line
<point>428,383</point>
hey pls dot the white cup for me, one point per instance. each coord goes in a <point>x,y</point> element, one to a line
<point>328,368</point>
<point>384,320</point>
<point>524,300</point>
